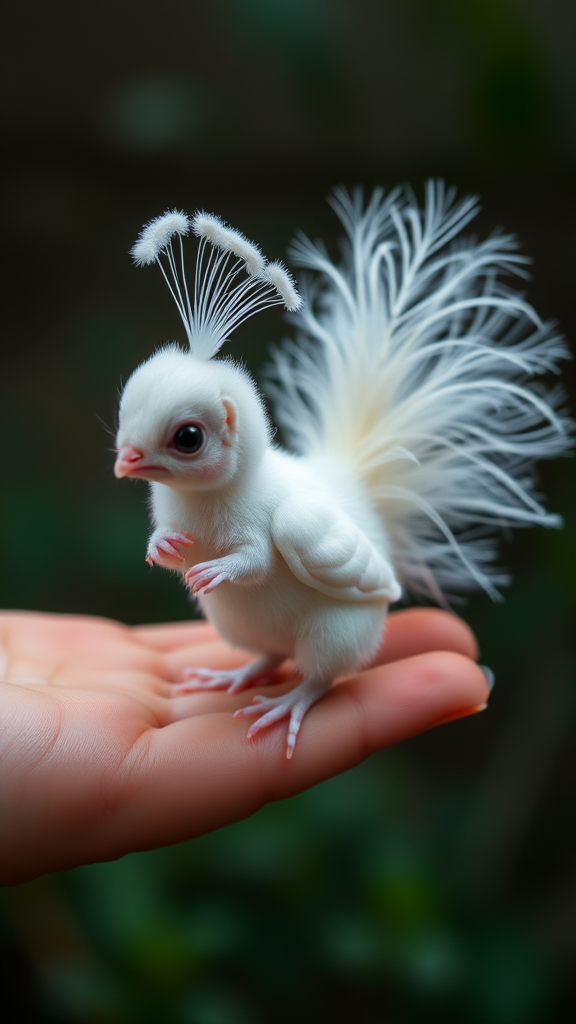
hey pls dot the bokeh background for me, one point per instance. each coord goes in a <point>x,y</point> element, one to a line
<point>438,881</point>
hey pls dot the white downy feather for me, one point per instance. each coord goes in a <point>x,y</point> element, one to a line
<point>418,368</point>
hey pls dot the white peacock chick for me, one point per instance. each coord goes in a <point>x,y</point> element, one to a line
<point>409,406</point>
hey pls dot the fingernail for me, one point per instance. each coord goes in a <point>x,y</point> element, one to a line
<point>489,675</point>
<point>466,713</point>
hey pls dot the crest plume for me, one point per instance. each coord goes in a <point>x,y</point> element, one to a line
<point>232,278</point>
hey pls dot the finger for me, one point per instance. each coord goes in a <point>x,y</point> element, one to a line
<point>173,635</point>
<point>146,686</point>
<point>417,630</point>
<point>40,648</point>
<point>202,772</point>
<point>409,632</point>
<point>210,653</point>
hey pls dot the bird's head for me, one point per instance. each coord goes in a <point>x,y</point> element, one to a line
<point>189,423</point>
<point>185,419</point>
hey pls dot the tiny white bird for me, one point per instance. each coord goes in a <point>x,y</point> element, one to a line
<point>407,405</point>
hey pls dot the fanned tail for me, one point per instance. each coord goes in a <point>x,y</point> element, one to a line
<point>418,367</point>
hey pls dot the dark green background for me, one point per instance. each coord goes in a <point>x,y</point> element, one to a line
<point>437,882</point>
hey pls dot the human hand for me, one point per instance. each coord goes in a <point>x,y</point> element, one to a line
<point>99,759</point>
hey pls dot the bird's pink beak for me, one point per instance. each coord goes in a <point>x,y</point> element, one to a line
<point>129,459</point>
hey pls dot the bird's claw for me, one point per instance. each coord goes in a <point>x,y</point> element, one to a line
<point>234,680</point>
<point>203,679</point>
<point>207,680</point>
<point>294,704</point>
<point>165,551</point>
<point>204,577</point>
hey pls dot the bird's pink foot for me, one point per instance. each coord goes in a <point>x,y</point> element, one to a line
<point>294,704</point>
<point>165,549</point>
<point>204,577</point>
<point>258,672</point>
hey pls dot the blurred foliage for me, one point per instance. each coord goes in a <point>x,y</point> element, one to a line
<point>436,882</point>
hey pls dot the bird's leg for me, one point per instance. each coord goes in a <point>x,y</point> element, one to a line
<point>295,704</point>
<point>260,671</point>
<point>164,548</point>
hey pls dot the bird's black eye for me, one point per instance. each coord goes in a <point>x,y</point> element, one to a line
<point>188,439</point>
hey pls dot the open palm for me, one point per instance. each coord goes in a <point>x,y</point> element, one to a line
<point>100,757</point>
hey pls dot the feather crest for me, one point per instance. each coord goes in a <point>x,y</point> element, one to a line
<point>221,300</point>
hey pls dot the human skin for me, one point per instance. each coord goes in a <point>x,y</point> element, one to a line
<point>100,757</point>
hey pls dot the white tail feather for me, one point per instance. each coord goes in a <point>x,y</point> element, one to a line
<point>420,378</point>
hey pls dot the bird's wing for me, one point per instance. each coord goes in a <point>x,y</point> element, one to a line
<point>327,551</point>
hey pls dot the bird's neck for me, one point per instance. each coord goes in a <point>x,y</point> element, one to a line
<point>221,503</point>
